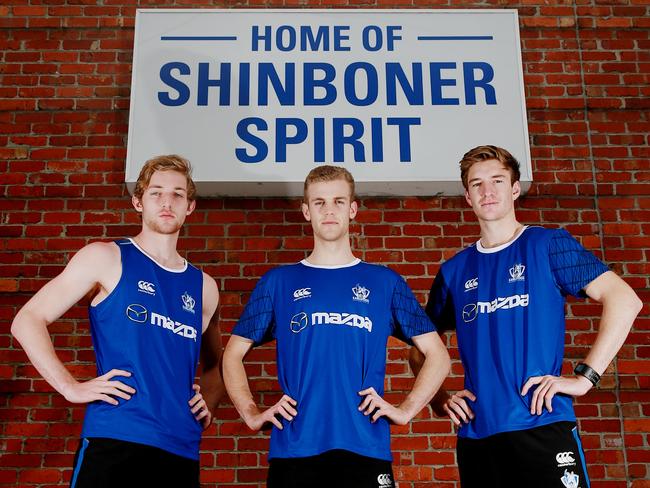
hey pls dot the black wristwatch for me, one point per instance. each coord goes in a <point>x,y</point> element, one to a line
<point>588,372</point>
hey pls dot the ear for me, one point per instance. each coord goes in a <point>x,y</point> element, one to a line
<point>191,207</point>
<point>137,204</point>
<point>467,198</point>
<point>305,212</point>
<point>354,208</point>
<point>516,190</point>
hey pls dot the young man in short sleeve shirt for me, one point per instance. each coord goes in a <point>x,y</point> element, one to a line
<point>505,296</point>
<point>331,316</point>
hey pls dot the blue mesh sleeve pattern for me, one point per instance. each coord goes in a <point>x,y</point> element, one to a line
<point>409,319</point>
<point>572,265</point>
<point>440,306</point>
<point>257,322</point>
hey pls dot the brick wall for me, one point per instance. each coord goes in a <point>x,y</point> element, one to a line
<point>64,98</point>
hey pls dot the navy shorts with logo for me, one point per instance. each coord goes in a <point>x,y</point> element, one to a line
<point>337,468</point>
<point>550,456</point>
<point>111,463</point>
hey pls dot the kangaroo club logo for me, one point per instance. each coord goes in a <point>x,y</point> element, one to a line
<point>570,479</point>
<point>360,293</point>
<point>517,273</point>
<point>188,302</point>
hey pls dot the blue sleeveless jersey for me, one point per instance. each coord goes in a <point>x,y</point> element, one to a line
<point>507,306</point>
<point>149,325</point>
<point>331,326</point>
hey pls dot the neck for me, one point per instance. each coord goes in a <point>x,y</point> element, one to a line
<point>331,253</point>
<point>496,233</point>
<point>160,247</point>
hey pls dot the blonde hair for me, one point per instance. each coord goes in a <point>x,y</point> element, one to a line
<point>328,173</point>
<point>169,162</point>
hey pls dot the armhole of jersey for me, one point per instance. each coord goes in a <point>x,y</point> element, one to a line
<point>119,281</point>
<point>203,299</point>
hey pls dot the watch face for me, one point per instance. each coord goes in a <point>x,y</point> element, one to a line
<point>588,372</point>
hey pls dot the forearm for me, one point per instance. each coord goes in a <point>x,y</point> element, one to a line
<point>33,336</point>
<point>615,324</point>
<point>236,383</point>
<point>212,387</point>
<point>428,381</point>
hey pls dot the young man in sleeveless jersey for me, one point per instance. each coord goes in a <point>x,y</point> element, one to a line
<point>504,296</point>
<point>149,309</point>
<point>331,316</point>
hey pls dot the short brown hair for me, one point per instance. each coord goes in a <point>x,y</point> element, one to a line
<point>485,153</point>
<point>169,162</point>
<point>328,173</point>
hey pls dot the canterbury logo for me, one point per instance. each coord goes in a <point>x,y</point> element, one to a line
<point>565,458</point>
<point>471,284</point>
<point>301,293</point>
<point>146,287</point>
<point>384,481</point>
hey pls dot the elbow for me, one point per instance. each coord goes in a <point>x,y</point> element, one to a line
<point>17,327</point>
<point>446,363</point>
<point>638,305</point>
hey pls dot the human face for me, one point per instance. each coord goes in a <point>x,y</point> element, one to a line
<point>164,204</point>
<point>329,209</point>
<point>490,192</point>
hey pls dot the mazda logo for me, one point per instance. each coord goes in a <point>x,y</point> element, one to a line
<point>470,312</point>
<point>136,313</point>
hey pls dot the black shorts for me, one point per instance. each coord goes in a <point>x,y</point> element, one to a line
<point>550,456</point>
<point>110,463</point>
<point>336,468</point>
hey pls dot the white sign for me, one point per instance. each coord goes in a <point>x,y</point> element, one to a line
<point>256,98</point>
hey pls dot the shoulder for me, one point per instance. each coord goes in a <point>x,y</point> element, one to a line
<point>539,232</point>
<point>210,294</point>
<point>210,287</point>
<point>380,271</point>
<point>458,259</point>
<point>98,254</point>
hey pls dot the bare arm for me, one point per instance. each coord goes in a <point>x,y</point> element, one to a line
<point>454,406</point>
<point>432,373</point>
<point>621,305</point>
<point>95,265</point>
<point>236,381</point>
<point>211,388</point>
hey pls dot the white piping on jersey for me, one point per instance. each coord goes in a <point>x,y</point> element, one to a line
<point>490,250</point>
<point>330,266</point>
<point>182,270</point>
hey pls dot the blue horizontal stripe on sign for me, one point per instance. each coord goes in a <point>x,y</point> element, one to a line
<point>455,38</point>
<point>198,38</point>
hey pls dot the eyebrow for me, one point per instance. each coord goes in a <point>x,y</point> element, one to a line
<point>160,186</point>
<point>497,175</point>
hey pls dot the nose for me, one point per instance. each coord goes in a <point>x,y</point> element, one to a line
<point>487,189</point>
<point>327,207</point>
<point>165,201</point>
